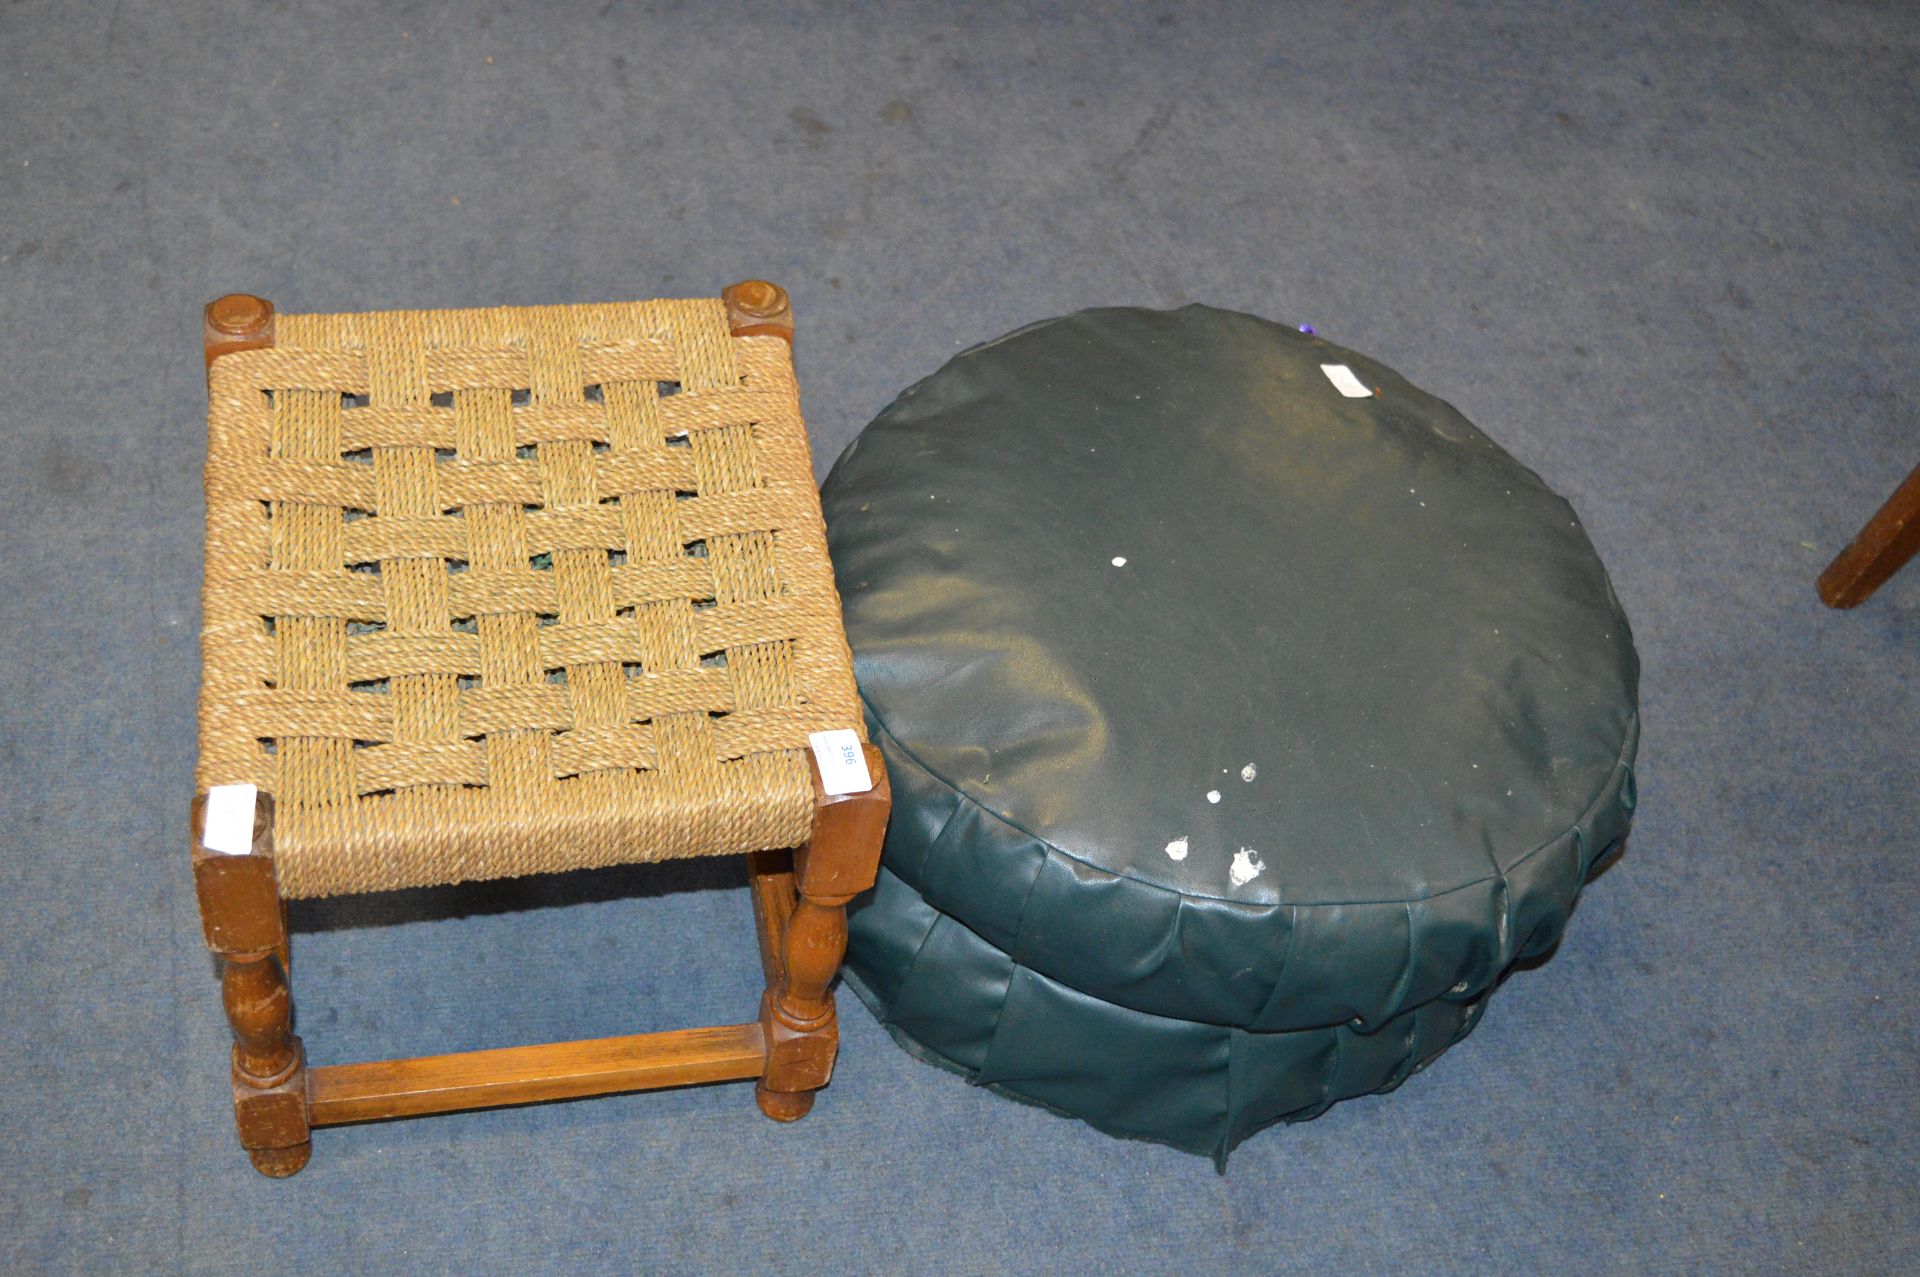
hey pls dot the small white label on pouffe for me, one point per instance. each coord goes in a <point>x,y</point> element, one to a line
<point>843,764</point>
<point>229,820</point>
<point>1344,381</point>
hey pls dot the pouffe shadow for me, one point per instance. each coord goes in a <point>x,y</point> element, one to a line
<point>1250,713</point>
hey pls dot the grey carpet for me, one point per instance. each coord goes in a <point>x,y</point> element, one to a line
<point>1667,256</point>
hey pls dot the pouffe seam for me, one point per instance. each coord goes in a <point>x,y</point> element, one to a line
<point>1627,746</point>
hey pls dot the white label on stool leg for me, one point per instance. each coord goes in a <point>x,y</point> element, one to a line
<point>229,820</point>
<point>843,764</point>
<point>1345,382</point>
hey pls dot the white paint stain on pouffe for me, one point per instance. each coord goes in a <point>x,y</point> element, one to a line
<point>1248,772</point>
<point>1246,866</point>
<point>1213,795</point>
<point>1177,849</point>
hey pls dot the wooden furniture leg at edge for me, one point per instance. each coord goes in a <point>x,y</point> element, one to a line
<point>245,926</point>
<point>802,913</point>
<point>1883,547</point>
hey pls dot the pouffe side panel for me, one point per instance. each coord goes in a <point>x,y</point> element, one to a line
<point>960,858</point>
<point>1347,964</point>
<point>1544,887</point>
<point>887,926</point>
<point>1130,1074</point>
<point>964,1006</point>
<point>1455,952</point>
<point>956,995</point>
<point>938,984</point>
<point>1265,967</point>
<point>1294,1077</point>
<point>1155,951</point>
<point>1277,1077</point>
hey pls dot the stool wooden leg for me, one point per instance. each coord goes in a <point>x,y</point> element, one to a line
<point>245,926</point>
<point>798,1020</point>
<point>797,1014</point>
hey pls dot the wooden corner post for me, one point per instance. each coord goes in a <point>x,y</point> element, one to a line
<point>803,916</point>
<point>238,321</point>
<point>800,902</point>
<point>245,925</point>
<point>240,908</point>
<point>756,308</point>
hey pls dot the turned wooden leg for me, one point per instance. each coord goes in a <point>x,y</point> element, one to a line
<point>1883,547</point>
<point>797,1014</point>
<point>245,926</point>
<point>802,1033</point>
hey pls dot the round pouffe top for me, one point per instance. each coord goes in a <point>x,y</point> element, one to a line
<point>1223,675</point>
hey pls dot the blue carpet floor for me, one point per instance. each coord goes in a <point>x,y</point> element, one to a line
<point>1667,256</point>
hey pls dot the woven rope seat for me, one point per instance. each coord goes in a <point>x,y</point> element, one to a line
<point>1249,714</point>
<point>503,591</point>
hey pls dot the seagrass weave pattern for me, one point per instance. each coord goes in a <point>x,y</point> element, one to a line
<point>496,592</point>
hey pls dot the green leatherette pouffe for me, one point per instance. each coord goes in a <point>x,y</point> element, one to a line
<point>1216,689</point>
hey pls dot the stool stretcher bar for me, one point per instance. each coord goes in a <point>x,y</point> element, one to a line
<point>530,1074</point>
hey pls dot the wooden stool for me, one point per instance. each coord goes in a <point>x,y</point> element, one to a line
<point>509,591</point>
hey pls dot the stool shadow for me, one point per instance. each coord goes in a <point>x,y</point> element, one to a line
<point>514,895</point>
